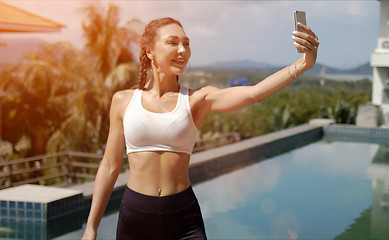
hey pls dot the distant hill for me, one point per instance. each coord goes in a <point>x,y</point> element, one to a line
<point>15,49</point>
<point>364,69</point>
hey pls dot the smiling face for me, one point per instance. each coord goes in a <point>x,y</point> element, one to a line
<point>171,50</point>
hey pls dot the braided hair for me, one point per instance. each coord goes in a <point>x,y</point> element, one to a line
<point>147,42</point>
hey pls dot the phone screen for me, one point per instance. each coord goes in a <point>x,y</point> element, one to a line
<point>299,16</point>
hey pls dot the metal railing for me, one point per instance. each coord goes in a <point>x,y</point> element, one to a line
<point>68,168</point>
<point>58,169</point>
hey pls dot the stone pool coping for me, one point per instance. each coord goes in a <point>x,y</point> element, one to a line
<point>351,133</point>
<point>36,193</point>
<point>36,203</point>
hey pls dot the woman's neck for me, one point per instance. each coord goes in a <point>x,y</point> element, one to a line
<point>161,83</point>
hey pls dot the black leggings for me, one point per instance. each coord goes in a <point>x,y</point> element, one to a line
<point>172,217</point>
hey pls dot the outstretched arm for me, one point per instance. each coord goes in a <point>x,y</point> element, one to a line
<point>109,169</point>
<point>229,99</point>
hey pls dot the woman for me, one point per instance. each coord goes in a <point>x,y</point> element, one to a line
<point>157,123</point>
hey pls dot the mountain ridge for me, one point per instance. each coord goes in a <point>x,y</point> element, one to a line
<point>363,69</point>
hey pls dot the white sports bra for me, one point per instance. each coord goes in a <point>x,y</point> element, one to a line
<point>173,131</point>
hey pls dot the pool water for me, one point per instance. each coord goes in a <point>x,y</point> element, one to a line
<point>324,190</point>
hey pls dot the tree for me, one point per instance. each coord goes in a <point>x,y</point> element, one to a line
<point>44,90</point>
<point>107,44</point>
<point>109,52</point>
<point>59,97</point>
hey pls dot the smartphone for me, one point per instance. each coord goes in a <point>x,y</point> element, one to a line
<point>299,16</point>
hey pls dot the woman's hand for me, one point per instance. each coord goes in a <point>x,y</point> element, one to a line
<point>307,43</point>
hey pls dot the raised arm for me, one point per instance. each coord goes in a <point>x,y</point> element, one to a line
<point>109,168</point>
<point>229,99</point>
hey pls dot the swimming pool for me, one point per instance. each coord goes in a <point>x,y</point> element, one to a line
<point>323,190</point>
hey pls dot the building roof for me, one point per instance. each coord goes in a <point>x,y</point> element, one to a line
<point>13,19</point>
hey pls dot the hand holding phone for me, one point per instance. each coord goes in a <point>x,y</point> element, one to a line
<point>305,40</point>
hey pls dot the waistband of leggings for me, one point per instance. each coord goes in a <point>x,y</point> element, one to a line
<point>168,203</point>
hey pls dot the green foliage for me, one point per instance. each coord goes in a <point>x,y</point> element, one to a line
<point>43,91</point>
<point>361,228</point>
<point>107,44</point>
<point>296,104</point>
<point>58,98</point>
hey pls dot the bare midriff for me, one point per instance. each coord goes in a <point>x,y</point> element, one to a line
<point>158,173</point>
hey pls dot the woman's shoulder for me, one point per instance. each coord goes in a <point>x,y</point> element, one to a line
<point>123,95</point>
<point>121,99</point>
<point>199,96</point>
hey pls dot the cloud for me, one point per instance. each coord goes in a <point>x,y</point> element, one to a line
<point>242,184</point>
<point>360,10</point>
<point>203,31</point>
<point>312,156</point>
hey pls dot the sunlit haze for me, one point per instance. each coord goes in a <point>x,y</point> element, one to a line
<point>236,30</point>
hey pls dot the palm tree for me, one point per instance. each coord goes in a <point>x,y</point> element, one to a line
<point>110,52</point>
<point>108,44</point>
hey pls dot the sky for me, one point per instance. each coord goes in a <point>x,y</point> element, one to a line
<point>222,31</point>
